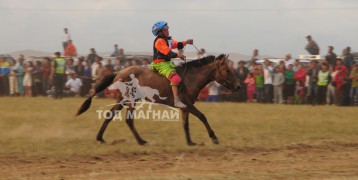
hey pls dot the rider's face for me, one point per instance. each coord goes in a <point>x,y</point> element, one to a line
<point>165,31</point>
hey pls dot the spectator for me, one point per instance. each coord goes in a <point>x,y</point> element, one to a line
<point>4,76</point>
<point>118,65</point>
<point>213,91</point>
<point>312,82</point>
<point>203,94</point>
<point>259,80</point>
<point>74,85</point>
<point>71,50</point>
<point>282,67</point>
<point>79,68</point>
<point>252,66</point>
<point>110,66</point>
<point>134,62</point>
<point>91,56</point>
<point>354,87</point>
<point>300,75</point>
<point>255,55</point>
<point>250,87</point>
<point>87,78</point>
<point>146,63</point>
<point>20,75</point>
<point>115,51</point>
<point>70,68</point>
<point>127,64</point>
<point>201,54</point>
<point>277,82</point>
<point>339,82</point>
<point>46,72</point>
<point>289,84</point>
<point>14,88</point>
<point>348,58</point>
<point>58,69</point>
<point>331,89</point>
<point>299,92</point>
<point>29,67</point>
<point>331,56</point>
<point>288,60</point>
<point>339,64</point>
<point>295,66</point>
<point>37,79</point>
<point>242,73</point>
<point>94,68</point>
<point>312,46</point>
<point>66,38</point>
<point>122,56</point>
<point>268,87</point>
<point>322,82</point>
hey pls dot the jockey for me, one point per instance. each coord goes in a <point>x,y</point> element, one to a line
<point>162,53</point>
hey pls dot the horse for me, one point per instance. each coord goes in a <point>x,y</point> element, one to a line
<point>195,75</point>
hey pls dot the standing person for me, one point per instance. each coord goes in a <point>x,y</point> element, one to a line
<point>66,38</point>
<point>242,73</point>
<point>348,58</point>
<point>69,68</point>
<point>118,65</point>
<point>312,46</point>
<point>331,56</point>
<point>162,55</point>
<point>312,81</point>
<point>268,87</point>
<point>354,87</point>
<point>115,51</point>
<point>4,76</point>
<point>79,68</point>
<point>289,84</point>
<point>94,68</point>
<point>46,72</point>
<point>58,76</point>
<point>250,87</point>
<point>300,75</point>
<point>70,50</point>
<point>299,92</point>
<point>259,85</point>
<point>14,88</point>
<point>37,79</point>
<point>122,56</point>
<point>87,78</point>
<point>20,75</point>
<point>29,67</point>
<point>278,80</point>
<point>213,91</point>
<point>340,65</point>
<point>322,83</point>
<point>145,63</point>
<point>110,66</point>
<point>331,89</point>
<point>255,55</point>
<point>92,56</point>
<point>289,60</point>
<point>339,81</point>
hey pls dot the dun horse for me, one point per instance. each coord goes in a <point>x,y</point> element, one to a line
<point>197,74</point>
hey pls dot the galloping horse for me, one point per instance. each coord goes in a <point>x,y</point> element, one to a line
<point>197,74</point>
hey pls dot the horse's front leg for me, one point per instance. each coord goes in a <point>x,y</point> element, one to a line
<point>185,116</point>
<point>193,110</point>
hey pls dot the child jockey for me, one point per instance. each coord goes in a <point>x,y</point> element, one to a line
<point>162,53</point>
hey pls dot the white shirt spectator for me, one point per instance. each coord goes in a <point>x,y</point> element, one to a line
<point>213,88</point>
<point>94,68</point>
<point>66,37</point>
<point>267,76</point>
<point>288,62</point>
<point>74,85</point>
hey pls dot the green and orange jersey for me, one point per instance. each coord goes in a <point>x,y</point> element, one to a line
<point>163,49</point>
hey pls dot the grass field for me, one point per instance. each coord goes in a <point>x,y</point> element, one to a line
<point>41,140</point>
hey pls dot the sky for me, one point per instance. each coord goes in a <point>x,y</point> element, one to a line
<point>275,27</point>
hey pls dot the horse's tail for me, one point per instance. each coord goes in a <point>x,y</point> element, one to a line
<point>107,81</point>
<point>162,98</point>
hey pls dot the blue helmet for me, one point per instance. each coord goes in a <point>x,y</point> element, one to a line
<point>158,26</point>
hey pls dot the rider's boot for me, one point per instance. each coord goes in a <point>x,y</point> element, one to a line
<point>178,103</point>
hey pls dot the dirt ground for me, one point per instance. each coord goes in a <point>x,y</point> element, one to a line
<point>300,161</point>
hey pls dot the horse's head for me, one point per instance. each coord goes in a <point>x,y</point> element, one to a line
<point>224,75</point>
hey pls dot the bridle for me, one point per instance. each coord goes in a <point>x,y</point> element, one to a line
<point>226,82</point>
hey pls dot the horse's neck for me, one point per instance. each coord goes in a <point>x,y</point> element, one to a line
<point>204,75</point>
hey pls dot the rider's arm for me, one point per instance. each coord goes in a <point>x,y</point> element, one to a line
<point>179,45</point>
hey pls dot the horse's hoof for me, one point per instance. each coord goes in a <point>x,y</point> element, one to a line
<point>102,141</point>
<point>144,143</point>
<point>215,141</point>
<point>191,144</point>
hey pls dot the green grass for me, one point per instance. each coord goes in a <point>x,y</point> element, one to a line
<point>45,127</point>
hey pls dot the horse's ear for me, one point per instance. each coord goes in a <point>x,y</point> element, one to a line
<point>227,56</point>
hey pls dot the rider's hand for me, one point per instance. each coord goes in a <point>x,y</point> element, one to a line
<point>180,55</point>
<point>190,41</point>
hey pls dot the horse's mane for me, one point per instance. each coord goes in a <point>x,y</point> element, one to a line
<point>200,62</point>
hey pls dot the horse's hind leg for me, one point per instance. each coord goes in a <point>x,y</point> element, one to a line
<point>130,123</point>
<point>185,115</point>
<point>113,112</point>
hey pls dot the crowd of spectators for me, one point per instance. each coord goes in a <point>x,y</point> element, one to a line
<point>331,80</point>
